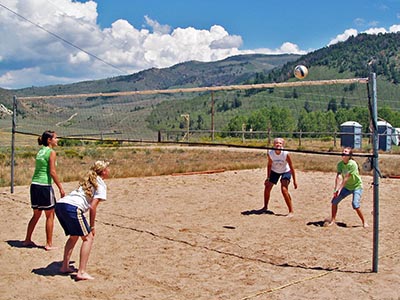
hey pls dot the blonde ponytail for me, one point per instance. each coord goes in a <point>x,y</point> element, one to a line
<point>89,183</point>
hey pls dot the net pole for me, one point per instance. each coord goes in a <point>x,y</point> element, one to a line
<point>375,164</point>
<point>13,129</point>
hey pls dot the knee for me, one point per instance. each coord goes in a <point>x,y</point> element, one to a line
<point>284,190</point>
<point>88,237</point>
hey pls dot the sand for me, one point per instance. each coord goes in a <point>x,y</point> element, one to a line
<point>199,237</point>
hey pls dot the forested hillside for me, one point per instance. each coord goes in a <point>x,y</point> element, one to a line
<point>292,110</point>
<point>358,55</point>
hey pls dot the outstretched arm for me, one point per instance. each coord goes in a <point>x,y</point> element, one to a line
<point>340,183</point>
<point>289,161</point>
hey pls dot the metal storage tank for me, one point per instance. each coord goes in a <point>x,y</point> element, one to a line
<point>351,134</point>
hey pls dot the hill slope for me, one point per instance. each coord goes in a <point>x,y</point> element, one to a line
<point>232,70</point>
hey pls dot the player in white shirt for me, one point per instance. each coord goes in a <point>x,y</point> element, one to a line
<point>70,212</point>
<point>279,167</point>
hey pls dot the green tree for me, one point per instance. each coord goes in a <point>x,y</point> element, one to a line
<point>332,105</point>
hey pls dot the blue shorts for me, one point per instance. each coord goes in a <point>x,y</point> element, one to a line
<point>42,197</point>
<point>72,219</point>
<point>274,177</point>
<point>345,192</point>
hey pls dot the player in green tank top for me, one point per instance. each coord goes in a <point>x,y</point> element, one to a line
<point>42,168</point>
<point>41,190</point>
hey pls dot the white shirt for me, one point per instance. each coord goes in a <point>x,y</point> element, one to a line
<point>79,199</point>
<point>279,163</point>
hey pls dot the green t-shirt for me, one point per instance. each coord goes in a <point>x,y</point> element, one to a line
<point>351,168</point>
<point>42,167</point>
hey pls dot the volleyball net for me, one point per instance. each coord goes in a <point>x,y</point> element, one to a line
<point>296,110</point>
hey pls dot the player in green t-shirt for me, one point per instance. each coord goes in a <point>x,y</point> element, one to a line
<point>347,182</point>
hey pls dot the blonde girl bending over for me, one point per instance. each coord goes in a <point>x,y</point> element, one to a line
<point>70,212</point>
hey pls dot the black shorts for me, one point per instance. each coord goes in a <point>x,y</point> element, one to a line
<point>42,197</point>
<point>274,177</point>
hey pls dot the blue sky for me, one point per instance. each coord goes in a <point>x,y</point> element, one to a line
<point>311,24</point>
<point>63,41</point>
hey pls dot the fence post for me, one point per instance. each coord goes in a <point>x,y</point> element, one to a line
<point>243,130</point>
<point>334,139</point>
<point>300,138</point>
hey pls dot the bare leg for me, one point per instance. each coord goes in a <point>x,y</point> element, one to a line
<point>49,229</point>
<point>361,216</point>
<point>267,193</point>
<point>84,257</point>
<point>334,213</point>
<point>69,247</point>
<point>31,227</point>
<point>286,196</point>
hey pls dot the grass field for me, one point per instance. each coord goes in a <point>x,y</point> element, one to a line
<point>140,160</point>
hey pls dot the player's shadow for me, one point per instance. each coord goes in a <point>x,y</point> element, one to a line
<point>322,224</point>
<point>260,212</point>
<point>53,269</point>
<point>257,212</point>
<point>20,244</point>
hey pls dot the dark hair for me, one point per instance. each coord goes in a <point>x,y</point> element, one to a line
<point>44,139</point>
<point>350,152</point>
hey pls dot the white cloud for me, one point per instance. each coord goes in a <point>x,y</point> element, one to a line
<point>24,78</point>
<point>157,27</point>
<point>394,28</point>
<point>353,32</point>
<point>359,22</point>
<point>343,36</point>
<point>375,30</point>
<point>47,60</point>
<point>229,41</point>
<point>79,57</point>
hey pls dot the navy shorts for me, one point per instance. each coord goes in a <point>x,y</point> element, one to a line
<point>274,177</point>
<point>72,219</point>
<point>42,197</point>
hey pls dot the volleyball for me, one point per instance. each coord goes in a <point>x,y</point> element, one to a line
<point>300,71</point>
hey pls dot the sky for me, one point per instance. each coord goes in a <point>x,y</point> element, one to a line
<point>46,42</point>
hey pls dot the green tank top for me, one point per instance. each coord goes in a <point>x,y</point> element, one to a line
<point>42,167</point>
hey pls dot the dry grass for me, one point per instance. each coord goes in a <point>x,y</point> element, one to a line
<point>140,161</point>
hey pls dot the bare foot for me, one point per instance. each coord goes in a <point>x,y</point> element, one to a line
<point>328,223</point>
<point>265,210</point>
<point>69,270</point>
<point>49,248</point>
<point>83,276</point>
<point>29,244</point>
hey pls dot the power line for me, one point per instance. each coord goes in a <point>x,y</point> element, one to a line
<point>64,40</point>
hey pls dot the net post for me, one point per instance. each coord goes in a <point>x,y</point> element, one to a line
<point>212,116</point>
<point>375,165</point>
<point>13,129</point>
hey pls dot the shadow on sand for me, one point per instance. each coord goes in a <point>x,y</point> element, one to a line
<point>20,244</point>
<point>260,212</point>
